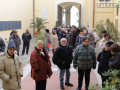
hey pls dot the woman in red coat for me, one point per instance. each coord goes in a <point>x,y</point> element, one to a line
<point>40,66</point>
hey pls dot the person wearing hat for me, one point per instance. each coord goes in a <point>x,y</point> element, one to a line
<point>16,40</point>
<point>26,37</point>
<point>11,68</point>
<point>103,59</point>
<point>91,38</point>
<point>104,40</point>
<point>47,40</point>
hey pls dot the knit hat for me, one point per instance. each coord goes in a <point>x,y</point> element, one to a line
<point>109,43</point>
<point>89,31</point>
<point>11,44</point>
<point>47,30</point>
<point>104,31</point>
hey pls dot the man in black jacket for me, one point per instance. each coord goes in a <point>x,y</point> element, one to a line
<point>26,37</point>
<point>63,58</point>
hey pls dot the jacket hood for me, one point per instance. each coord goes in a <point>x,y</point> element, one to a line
<point>2,54</point>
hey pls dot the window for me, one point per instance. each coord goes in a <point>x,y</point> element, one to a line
<point>117,10</point>
<point>77,14</point>
<point>9,25</point>
<point>104,0</point>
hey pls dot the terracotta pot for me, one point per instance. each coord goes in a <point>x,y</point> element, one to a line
<point>36,33</point>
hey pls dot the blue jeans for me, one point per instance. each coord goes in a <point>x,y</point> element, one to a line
<point>47,49</point>
<point>61,77</point>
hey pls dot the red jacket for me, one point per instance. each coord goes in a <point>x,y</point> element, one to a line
<point>40,65</point>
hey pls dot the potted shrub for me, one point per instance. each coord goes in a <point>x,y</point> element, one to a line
<point>38,24</point>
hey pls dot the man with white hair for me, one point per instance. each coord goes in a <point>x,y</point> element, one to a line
<point>63,58</point>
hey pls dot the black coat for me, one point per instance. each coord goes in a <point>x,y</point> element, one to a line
<point>103,59</point>
<point>61,34</point>
<point>2,45</point>
<point>26,37</point>
<point>115,61</point>
<point>61,56</point>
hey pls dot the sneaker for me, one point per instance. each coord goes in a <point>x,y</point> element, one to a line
<point>62,87</point>
<point>69,84</point>
<point>22,54</point>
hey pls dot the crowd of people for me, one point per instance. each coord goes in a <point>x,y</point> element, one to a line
<point>69,45</point>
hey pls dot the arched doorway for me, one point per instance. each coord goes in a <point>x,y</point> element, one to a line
<point>60,4</point>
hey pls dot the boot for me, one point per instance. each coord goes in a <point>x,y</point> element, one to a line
<point>69,84</point>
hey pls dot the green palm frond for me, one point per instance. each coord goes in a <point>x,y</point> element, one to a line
<point>39,23</point>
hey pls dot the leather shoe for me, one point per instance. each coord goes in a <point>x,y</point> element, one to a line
<point>69,84</point>
<point>62,87</point>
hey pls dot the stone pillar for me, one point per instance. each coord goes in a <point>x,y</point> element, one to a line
<point>59,22</point>
<point>67,9</point>
<point>79,16</point>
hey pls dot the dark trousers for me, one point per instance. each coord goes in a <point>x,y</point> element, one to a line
<point>41,85</point>
<point>80,77</point>
<point>103,80</point>
<point>25,45</point>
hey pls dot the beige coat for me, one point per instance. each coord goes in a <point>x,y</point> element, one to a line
<point>54,40</point>
<point>10,72</point>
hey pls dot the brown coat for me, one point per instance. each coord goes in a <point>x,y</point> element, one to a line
<point>54,39</point>
<point>40,65</point>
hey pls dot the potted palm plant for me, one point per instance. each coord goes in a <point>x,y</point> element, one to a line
<point>39,24</point>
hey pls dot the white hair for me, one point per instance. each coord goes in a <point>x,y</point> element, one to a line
<point>38,41</point>
<point>63,39</point>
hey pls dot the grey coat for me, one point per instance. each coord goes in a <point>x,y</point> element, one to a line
<point>16,40</point>
<point>92,39</point>
<point>47,39</point>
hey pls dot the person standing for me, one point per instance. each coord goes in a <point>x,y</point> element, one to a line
<point>104,40</point>
<point>11,68</point>
<point>54,41</point>
<point>114,62</point>
<point>63,58</point>
<point>47,40</point>
<point>2,45</point>
<point>85,59</point>
<point>103,59</point>
<point>26,37</point>
<point>16,40</point>
<point>91,38</point>
<point>40,66</point>
<point>79,38</point>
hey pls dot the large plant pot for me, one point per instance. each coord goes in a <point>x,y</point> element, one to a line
<point>36,33</point>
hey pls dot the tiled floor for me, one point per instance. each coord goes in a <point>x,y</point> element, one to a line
<point>53,83</point>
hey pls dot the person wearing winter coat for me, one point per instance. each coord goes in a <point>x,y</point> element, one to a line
<point>2,45</point>
<point>11,68</point>
<point>104,40</point>
<point>47,39</point>
<point>77,33</point>
<point>96,37</point>
<point>103,59</point>
<point>62,34</point>
<point>26,37</point>
<point>114,62</point>
<point>54,41</point>
<point>40,66</point>
<point>91,38</point>
<point>16,40</point>
<point>79,39</point>
<point>85,59</point>
<point>67,36</point>
<point>63,58</point>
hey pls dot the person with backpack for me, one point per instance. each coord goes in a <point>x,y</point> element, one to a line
<point>63,58</point>
<point>47,40</point>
